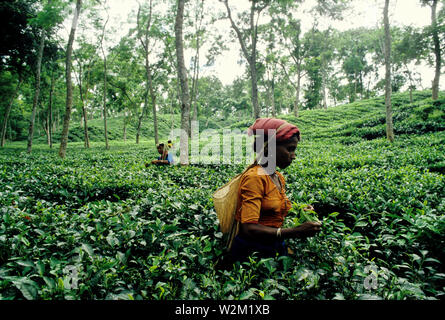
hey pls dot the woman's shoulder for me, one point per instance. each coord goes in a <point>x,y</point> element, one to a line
<point>256,172</point>
<point>254,179</point>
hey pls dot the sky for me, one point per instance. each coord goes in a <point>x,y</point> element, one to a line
<point>367,13</point>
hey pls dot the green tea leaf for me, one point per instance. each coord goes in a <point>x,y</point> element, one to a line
<point>28,288</point>
<point>88,249</point>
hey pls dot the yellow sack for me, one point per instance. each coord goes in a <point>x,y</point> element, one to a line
<point>225,201</point>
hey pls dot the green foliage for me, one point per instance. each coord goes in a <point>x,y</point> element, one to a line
<point>299,215</point>
<point>365,119</point>
<point>18,39</point>
<point>100,225</point>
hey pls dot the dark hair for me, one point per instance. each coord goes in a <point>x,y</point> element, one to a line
<point>160,145</point>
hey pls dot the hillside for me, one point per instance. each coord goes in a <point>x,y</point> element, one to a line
<point>365,119</point>
<point>349,123</point>
<point>115,128</point>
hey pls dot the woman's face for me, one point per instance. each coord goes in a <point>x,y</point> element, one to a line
<point>286,153</point>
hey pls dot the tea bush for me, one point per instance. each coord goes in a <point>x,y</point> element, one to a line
<point>100,225</point>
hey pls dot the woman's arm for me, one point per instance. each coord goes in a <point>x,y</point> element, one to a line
<point>252,191</point>
<point>160,162</point>
<point>267,234</point>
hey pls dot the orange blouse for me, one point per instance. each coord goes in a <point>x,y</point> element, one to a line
<point>259,199</point>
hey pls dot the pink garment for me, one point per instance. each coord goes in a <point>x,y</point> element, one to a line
<point>285,130</point>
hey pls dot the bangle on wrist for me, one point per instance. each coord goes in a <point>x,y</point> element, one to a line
<point>279,233</point>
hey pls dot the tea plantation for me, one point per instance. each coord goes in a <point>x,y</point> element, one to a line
<point>100,225</point>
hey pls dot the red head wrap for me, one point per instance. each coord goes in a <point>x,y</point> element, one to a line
<point>285,130</point>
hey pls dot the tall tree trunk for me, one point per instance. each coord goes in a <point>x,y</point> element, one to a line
<point>83,97</point>
<point>105,111</point>
<point>195,80</point>
<point>437,50</point>
<point>84,110</point>
<point>138,128</point>
<point>250,57</point>
<point>148,74</point>
<point>153,102</point>
<point>389,122</point>
<point>194,92</point>
<point>37,91</point>
<point>274,111</point>
<point>50,111</point>
<point>297,91</point>
<point>38,119</point>
<point>47,128</point>
<point>141,117</point>
<point>296,111</point>
<point>45,125</point>
<point>105,105</point>
<point>195,86</point>
<point>8,111</point>
<point>57,123</point>
<point>253,70</point>
<point>254,81</point>
<point>297,87</point>
<point>69,84</point>
<point>185,93</point>
<point>411,83</point>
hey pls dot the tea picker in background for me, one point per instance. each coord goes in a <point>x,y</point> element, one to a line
<point>165,157</point>
<point>262,203</point>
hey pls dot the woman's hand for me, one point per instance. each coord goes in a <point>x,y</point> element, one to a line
<point>263,233</point>
<point>308,229</point>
